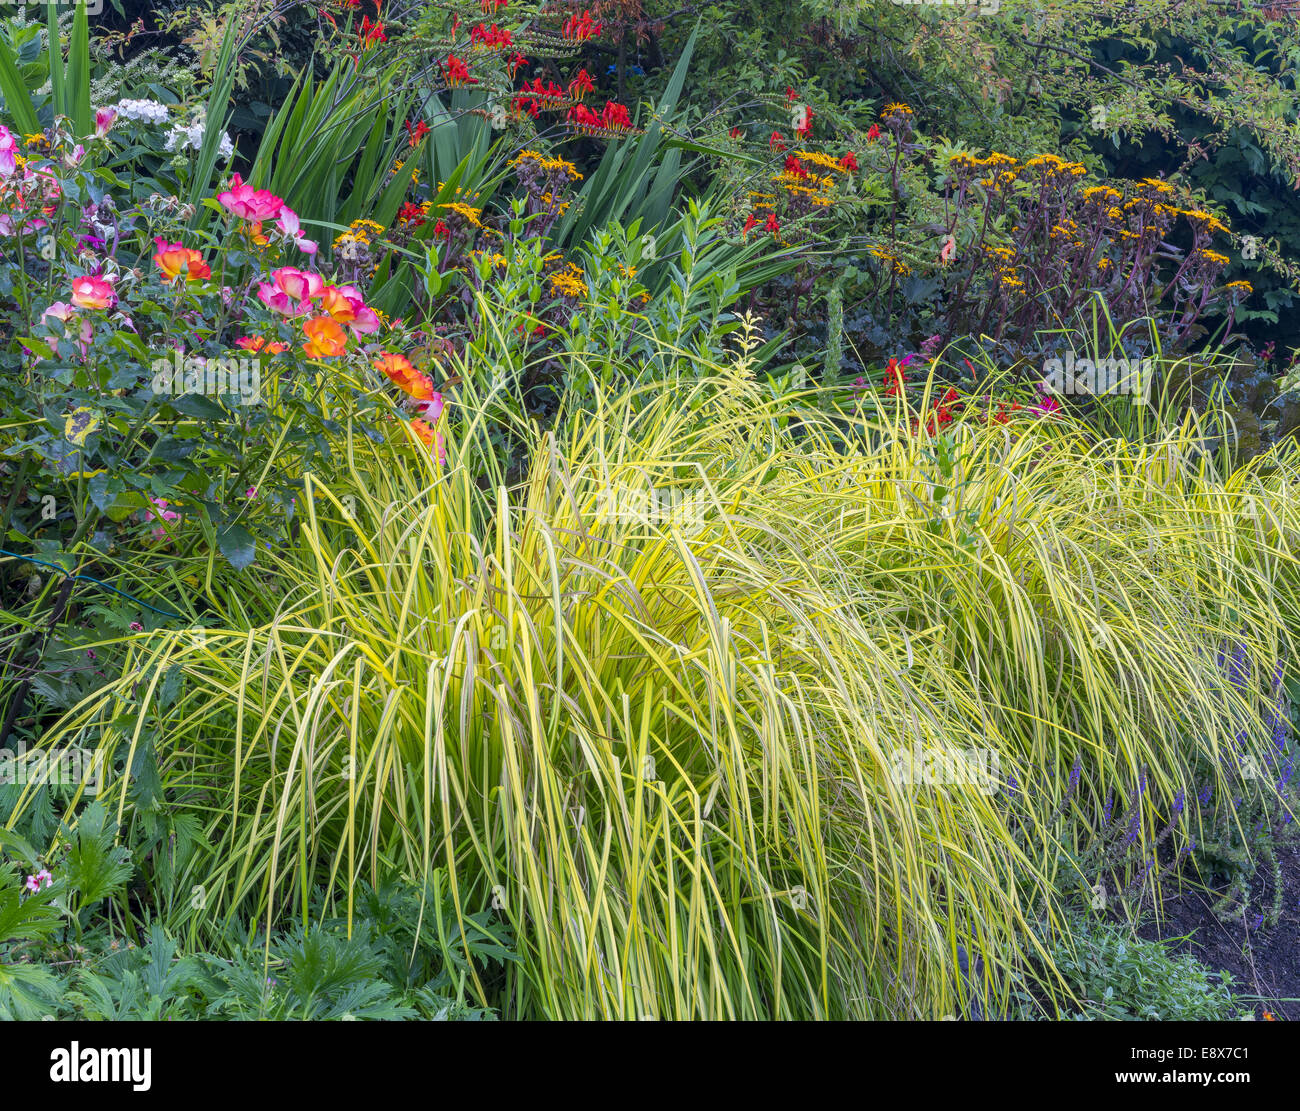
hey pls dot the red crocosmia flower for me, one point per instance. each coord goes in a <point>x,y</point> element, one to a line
<point>735,133</point>
<point>615,117</point>
<point>794,166</point>
<point>92,292</point>
<point>582,116</point>
<point>894,378</point>
<point>750,224</point>
<point>416,133</point>
<point>411,213</point>
<point>458,72</point>
<point>441,231</point>
<point>873,134</point>
<point>776,142</point>
<point>790,94</point>
<point>371,33</point>
<point>849,162</point>
<point>772,224</point>
<point>516,61</point>
<point>248,203</point>
<point>805,127</point>
<point>325,338</point>
<point>581,27</point>
<point>581,84</point>
<point>258,343</point>
<point>176,261</point>
<point>487,7</point>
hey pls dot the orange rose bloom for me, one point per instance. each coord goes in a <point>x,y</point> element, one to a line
<point>335,302</point>
<point>258,343</point>
<point>174,260</point>
<point>325,338</point>
<point>399,369</point>
<point>423,431</point>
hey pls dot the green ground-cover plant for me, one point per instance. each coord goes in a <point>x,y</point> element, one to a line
<point>1117,976</point>
<point>63,960</point>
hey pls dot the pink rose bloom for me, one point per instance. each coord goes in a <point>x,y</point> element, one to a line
<point>279,301</point>
<point>430,410</point>
<point>248,203</point>
<point>298,284</point>
<point>366,321</point>
<point>93,292</point>
<point>8,152</point>
<point>61,311</point>
<point>290,291</point>
<point>163,514</point>
<point>288,223</point>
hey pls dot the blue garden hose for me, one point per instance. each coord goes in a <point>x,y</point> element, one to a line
<point>97,582</point>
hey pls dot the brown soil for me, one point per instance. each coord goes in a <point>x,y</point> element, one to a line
<point>1264,962</point>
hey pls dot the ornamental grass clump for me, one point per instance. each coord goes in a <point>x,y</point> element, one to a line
<point>720,712</point>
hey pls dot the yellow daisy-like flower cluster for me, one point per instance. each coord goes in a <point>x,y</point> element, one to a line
<point>1207,220</point>
<point>415,174</point>
<point>468,213</point>
<point>1101,194</point>
<point>1240,287</point>
<point>359,233</point>
<point>1157,186</point>
<point>1054,166</point>
<point>550,202</point>
<point>364,230</point>
<point>568,282</point>
<point>1213,257</point>
<point>893,261</point>
<point>548,164</point>
<point>1001,167</point>
<point>798,186</point>
<point>497,260</point>
<point>461,195</point>
<point>896,110</point>
<point>816,158</point>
